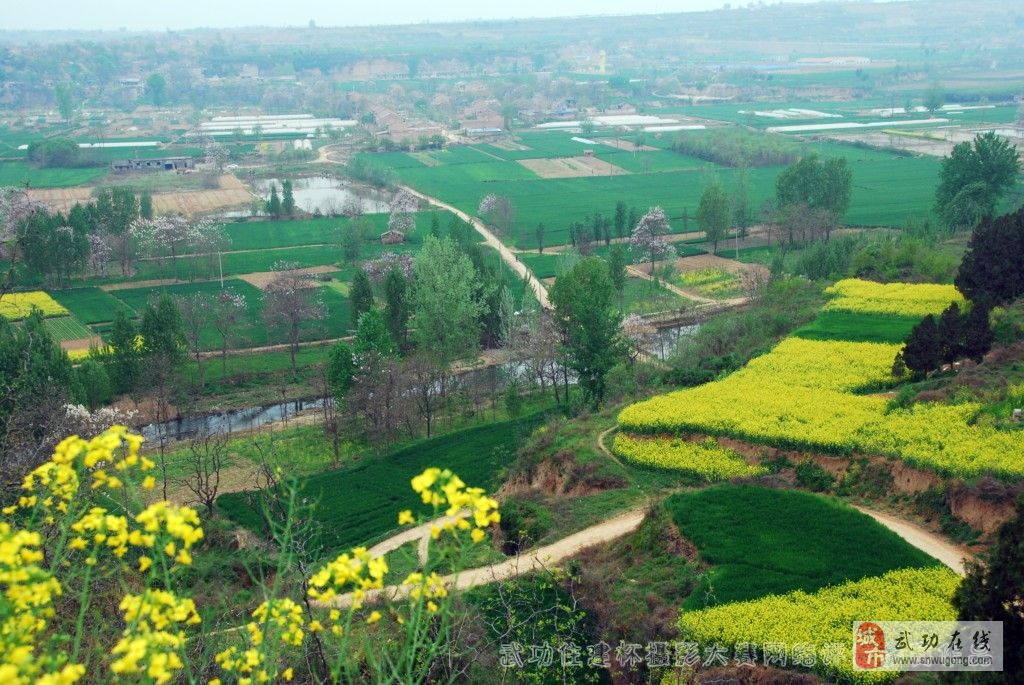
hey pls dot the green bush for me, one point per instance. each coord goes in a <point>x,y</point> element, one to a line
<point>811,476</point>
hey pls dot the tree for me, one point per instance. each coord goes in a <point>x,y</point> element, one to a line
<point>435,225</point>
<point>589,323</point>
<point>993,267</point>
<point>156,89</point>
<point>923,351</point>
<point>974,178</point>
<point>402,218</point>
<point>124,361</point>
<point>934,99</point>
<point>196,310</point>
<point>446,302</point>
<point>163,330</point>
<point>352,237</point>
<point>740,202</point>
<point>116,210</point>
<point>994,591</point>
<point>290,301</point>
<point>620,219</point>
<point>341,369</point>
<point>227,312</point>
<point>540,238</point>
<point>288,199</point>
<point>36,382</point>
<point>360,295</point>
<point>617,271</point>
<point>146,205</point>
<point>372,335</point>
<point>206,455</point>
<point>274,203</point>
<point>817,184</point>
<point>65,96</point>
<point>498,210</point>
<point>951,334</point>
<point>396,312</point>
<point>977,331</point>
<point>647,240</point>
<point>713,213</point>
<point>95,384</point>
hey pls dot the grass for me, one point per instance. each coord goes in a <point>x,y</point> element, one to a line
<point>360,503</point>
<point>89,305</point>
<point>641,296</point>
<point>23,174</point>
<point>763,541</point>
<point>252,331</point>
<point>857,327</point>
<point>887,187</point>
<point>235,263</point>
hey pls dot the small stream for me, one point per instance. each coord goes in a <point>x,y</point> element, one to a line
<point>664,343</point>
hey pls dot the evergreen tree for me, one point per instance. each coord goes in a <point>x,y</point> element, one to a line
<point>123,359</point>
<point>163,331</point>
<point>977,331</point>
<point>288,201</point>
<point>620,219</point>
<point>360,296</point>
<point>95,384</point>
<point>994,591</point>
<point>951,334</point>
<point>923,350</point>
<point>993,267</point>
<point>435,225</point>
<point>274,203</point>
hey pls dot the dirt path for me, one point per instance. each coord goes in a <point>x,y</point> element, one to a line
<point>534,560</point>
<point>507,255</point>
<point>926,541</point>
<point>685,292</point>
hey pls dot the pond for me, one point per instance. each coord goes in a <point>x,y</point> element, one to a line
<point>326,194</point>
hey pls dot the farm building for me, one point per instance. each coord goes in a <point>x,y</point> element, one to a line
<point>156,164</point>
<point>392,237</point>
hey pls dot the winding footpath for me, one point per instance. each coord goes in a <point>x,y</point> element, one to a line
<point>507,255</point>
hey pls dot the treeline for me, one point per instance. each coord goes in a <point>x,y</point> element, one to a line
<point>737,148</point>
<point>991,274</point>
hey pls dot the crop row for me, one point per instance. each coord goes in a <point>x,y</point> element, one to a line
<point>820,624</point>
<point>705,459</point>
<point>900,299</point>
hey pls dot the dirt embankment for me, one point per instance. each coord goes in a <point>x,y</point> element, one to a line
<point>983,506</point>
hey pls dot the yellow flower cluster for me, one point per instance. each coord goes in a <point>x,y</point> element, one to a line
<point>180,524</point>
<point>438,488</point>
<point>28,594</point>
<point>426,587</point>
<point>901,299</point>
<point>56,482</point>
<point>800,395</point>
<point>15,306</point>
<point>705,459</point>
<point>103,530</point>
<point>151,643</point>
<point>803,621</point>
<point>713,282</point>
<point>282,615</point>
<point>360,571</point>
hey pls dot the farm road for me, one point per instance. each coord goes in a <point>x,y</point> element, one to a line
<point>507,255</point>
<point>533,560</point>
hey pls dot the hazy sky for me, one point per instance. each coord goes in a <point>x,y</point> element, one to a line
<point>162,14</point>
